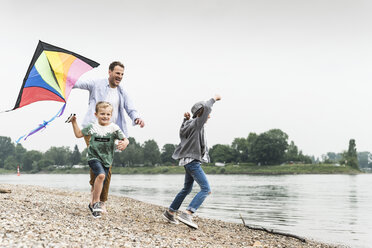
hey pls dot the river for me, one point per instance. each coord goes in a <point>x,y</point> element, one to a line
<point>329,208</point>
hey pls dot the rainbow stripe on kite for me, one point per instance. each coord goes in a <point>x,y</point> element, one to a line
<point>52,73</point>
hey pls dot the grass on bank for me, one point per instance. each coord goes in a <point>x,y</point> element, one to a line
<point>251,169</point>
<point>245,169</point>
<point>3,171</point>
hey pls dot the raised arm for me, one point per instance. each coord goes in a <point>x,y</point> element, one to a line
<point>84,84</point>
<point>200,121</point>
<point>76,128</point>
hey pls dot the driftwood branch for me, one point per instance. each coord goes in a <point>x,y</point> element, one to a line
<point>5,191</point>
<point>272,231</point>
<point>241,217</point>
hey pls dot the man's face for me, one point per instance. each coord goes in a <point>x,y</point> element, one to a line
<point>116,76</point>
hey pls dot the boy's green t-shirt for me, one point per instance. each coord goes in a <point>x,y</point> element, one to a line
<point>102,141</point>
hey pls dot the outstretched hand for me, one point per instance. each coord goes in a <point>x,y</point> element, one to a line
<point>139,122</point>
<point>217,97</point>
<point>187,116</point>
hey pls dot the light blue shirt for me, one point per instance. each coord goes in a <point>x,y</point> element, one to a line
<point>98,89</point>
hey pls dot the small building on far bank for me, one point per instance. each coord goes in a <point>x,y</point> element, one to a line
<point>79,166</point>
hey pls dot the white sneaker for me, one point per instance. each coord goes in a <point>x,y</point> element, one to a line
<point>187,219</point>
<point>103,207</point>
<point>97,207</point>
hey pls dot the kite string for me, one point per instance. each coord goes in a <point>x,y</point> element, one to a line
<point>42,126</point>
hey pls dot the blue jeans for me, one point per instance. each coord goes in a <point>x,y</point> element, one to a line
<point>98,168</point>
<point>195,172</point>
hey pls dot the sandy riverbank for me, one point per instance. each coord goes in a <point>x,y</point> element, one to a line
<point>32,216</point>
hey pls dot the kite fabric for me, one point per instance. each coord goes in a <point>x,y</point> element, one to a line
<point>52,73</point>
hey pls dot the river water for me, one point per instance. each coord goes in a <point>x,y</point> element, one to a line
<point>329,208</point>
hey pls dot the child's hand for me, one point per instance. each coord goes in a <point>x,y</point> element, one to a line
<point>73,119</point>
<point>69,119</point>
<point>122,144</point>
<point>217,97</point>
<point>187,116</point>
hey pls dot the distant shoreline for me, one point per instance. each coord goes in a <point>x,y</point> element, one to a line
<point>39,216</point>
<point>230,169</point>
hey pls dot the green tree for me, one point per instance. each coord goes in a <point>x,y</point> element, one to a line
<point>166,154</point>
<point>84,156</point>
<point>351,156</point>
<point>251,139</point>
<point>10,163</point>
<point>222,153</point>
<point>19,153</point>
<point>304,158</point>
<point>30,158</point>
<point>269,147</point>
<point>60,155</point>
<point>131,156</point>
<point>75,156</point>
<point>6,149</point>
<point>43,164</point>
<point>331,157</point>
<point>151,152</point>
<point>292,152</point>
<point>241,149</point>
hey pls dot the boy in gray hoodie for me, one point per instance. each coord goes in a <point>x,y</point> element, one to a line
<point>191,152</point>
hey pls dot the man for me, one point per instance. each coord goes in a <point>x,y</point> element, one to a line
<point>109,90</point>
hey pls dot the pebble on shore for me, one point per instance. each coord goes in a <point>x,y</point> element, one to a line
<point>33,216</point>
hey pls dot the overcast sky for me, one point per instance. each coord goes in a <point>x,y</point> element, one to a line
<point>304,67</point>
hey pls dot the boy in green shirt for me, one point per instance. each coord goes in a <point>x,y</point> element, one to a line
<point>101,148</point>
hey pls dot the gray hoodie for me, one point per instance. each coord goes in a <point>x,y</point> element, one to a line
<point>192,135</point>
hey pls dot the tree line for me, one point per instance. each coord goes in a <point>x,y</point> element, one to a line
<point>268,148</point>
<point>351,157</point>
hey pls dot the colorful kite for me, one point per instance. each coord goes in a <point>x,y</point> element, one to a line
<point>52,73</point>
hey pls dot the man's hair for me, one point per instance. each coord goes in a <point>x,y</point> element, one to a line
<point>103,105</point>
<point>115,63</point>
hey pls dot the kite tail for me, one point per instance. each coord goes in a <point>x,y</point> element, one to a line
<point>62,110</point>
<point>42,126</point>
